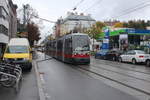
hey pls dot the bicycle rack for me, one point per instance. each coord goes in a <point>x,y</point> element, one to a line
<point>10,75</point>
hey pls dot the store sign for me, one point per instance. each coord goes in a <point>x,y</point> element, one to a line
<point>123,36</point>
<point>105,40</point>
<point>131,30</point>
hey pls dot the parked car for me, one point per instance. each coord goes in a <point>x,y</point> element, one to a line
<point>134,56</point>
<point>101,54</point>
<point>113,55</point>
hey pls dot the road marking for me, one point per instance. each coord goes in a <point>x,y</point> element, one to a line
<point>47,96</point>
<point>42,78</point>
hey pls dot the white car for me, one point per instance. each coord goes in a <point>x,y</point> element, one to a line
<point>134,56</point>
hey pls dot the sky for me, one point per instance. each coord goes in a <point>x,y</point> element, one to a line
<point>100,10</point>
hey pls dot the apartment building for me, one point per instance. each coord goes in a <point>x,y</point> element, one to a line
<point>8,23</point>
<point>73,22</point>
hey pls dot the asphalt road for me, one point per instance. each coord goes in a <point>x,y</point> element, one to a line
<point>28,89</point>
<point>63,82</point>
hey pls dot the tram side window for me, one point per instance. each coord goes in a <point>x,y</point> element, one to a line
<point>59,46</point>
<point>68,45</point>
<point>54,45</point>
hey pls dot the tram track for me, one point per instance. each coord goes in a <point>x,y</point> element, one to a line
<point>147,92</point>
<point>117,65</point>
<point>126,74</point>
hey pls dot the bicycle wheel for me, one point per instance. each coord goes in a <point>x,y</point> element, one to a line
<point>8,81</point>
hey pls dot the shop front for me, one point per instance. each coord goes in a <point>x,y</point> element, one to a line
<point>129,38</point>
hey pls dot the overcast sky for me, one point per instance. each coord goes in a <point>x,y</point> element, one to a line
<point>99,9</point>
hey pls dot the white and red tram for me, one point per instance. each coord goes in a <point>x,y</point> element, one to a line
<point>71,48</point>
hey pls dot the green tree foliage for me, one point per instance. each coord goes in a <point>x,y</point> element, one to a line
<point>139,24</point>
<point>96,30</point>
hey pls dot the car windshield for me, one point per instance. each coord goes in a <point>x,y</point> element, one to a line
<point>17,49</point>
<point>140,52</point>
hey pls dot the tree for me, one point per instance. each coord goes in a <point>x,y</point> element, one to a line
<point>137,24</point>
<point>118,25</point>
<point>28,23</point>
<point>33,33</point>
<point>148,23</point>
<point>96,30</point>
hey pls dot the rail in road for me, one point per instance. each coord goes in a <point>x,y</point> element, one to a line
<point>130,67</point>
<point>137,80</point>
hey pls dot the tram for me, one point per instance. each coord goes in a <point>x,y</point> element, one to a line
<point>72,48</point>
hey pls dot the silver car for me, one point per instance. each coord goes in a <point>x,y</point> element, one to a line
<point>134,56</point>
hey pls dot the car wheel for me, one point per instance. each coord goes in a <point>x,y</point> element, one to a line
<point>148,63</point>
<point>133,61</point>
<point>113,58</point>
<point>120,59</point>
<point>104,57</point>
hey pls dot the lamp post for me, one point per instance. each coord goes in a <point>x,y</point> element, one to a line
<point>93,33</point>
<point>93,41</point>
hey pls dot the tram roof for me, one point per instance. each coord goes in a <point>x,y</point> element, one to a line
<point>69,35</point>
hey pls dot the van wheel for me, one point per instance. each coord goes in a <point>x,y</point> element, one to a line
<point>133,61</point>
<point>148,63</point>
<point>30,67</point>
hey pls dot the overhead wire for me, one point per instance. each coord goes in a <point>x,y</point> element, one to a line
<point>92,6</point>
<point>96,3</point>
<point>133,9</point>
<point>44,19</point>
<point>75,7</point>
<point>135,6</point>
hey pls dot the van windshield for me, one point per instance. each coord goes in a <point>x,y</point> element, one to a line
<point>17,49</point>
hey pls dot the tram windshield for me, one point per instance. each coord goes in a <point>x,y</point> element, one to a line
<point>81,43</point>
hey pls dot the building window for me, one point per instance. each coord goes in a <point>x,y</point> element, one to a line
<point>3,30</point>
<point>3,13</point>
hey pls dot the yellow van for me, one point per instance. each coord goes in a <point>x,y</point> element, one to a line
<point>18,51</point>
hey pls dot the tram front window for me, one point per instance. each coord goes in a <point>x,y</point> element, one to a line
<point>81,43</point>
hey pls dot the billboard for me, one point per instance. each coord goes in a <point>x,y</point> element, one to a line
<point>123,42</point>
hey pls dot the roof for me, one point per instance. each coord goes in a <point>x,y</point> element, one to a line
<point>19,41</point>
<point>78,17</point>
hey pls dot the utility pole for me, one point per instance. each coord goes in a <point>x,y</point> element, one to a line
<point>24,15</point>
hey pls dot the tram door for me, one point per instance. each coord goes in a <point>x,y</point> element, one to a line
<point>68,49</point>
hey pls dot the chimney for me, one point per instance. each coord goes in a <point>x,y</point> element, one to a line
<point>82,14</point>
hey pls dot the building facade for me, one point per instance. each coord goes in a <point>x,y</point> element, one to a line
<point>73,23</point>
<point>8,22</point>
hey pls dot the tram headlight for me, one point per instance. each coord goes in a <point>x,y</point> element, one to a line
<point>88,53</point>
<point>75,53</point>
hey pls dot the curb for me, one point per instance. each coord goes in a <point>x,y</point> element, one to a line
<point>40,89</point>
